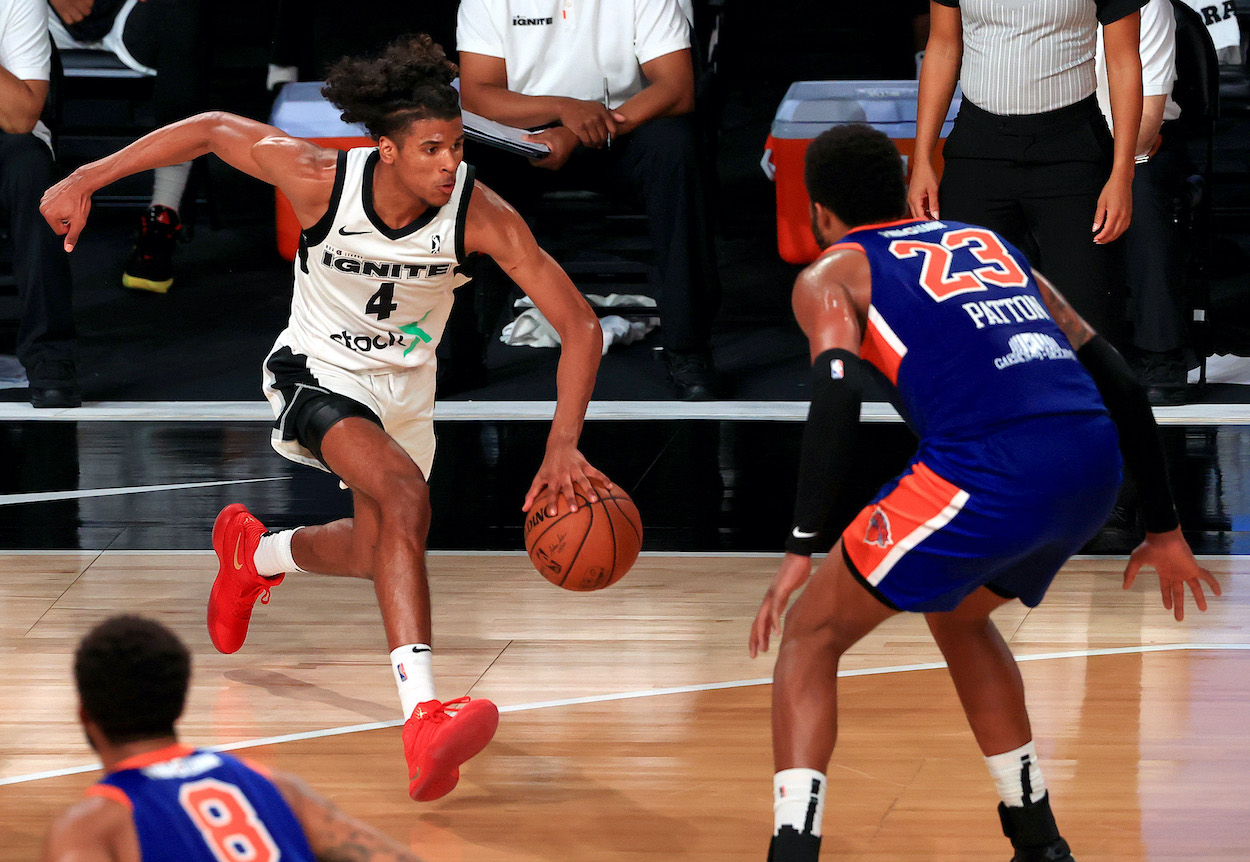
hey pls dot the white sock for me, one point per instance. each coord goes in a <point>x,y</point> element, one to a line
<point>413,668</point>
<point>273,554</point>
<point>168,184</point>
<point>798,800</point>
<point>1017,776</point>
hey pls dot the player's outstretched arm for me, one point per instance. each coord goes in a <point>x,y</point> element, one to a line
<point>286,162</point>
<point>1165,548</point>
<point>830,299</point>
<point>333,835</point>
<point>494,228</point>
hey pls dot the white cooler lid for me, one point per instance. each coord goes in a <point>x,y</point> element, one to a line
<point>301,111</point>
<point>811,107</point>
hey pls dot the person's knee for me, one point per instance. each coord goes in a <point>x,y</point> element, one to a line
<point>406,505</point>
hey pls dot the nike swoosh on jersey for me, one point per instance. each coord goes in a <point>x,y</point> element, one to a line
<point>346,232</point>
<point>799,534</point>
<point>237,565</point>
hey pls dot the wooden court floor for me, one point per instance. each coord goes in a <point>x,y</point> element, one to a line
<point>635,727</point>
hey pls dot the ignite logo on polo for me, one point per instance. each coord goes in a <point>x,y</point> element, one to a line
<point>521,21</point>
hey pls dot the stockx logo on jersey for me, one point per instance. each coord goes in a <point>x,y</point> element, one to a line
<point>414,329</point>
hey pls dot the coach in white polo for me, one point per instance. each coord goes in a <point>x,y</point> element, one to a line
<point>552,65</point>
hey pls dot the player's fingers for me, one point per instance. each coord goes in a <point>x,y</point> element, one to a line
<point>1178,600</point>
<point>1166,592</point>
<point>71,235</point>
<point>588,489</point>
<point>1131,570</point>
<point>535,487</point>
<point>1200,599</point>
<point>1211,581</point>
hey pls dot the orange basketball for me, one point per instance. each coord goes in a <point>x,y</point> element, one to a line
<point>588,549</point>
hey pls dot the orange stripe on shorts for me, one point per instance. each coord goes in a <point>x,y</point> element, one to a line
<point>883,532</point>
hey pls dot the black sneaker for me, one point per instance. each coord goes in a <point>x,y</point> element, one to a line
<point>692,374</point>
<point>151,264</point>
<point>1164,376</point>
<point>54,383</point>
<point>1033,832</point>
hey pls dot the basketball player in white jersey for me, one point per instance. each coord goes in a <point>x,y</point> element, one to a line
<point>351,379</point>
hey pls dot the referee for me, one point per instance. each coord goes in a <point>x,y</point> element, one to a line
<point>1030,155</point>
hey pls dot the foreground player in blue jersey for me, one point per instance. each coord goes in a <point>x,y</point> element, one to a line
<point>160,800</point>
<point>1017,466</point>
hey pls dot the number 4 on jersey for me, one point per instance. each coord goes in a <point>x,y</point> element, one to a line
<point>1000,268</point>
<point>383,302</point>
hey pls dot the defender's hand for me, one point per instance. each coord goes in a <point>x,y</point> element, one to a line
<point>563,469</point>
<point>1169,554</point>
<point>793,573</point>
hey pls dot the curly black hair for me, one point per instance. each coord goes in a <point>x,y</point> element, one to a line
<point>856,172</point>
<point>132,675</point>
<point>410,80</point>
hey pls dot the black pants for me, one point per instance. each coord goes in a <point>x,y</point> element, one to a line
<point>40,266</point>
<point>168,36</point>
<point>1035,179</point>
<point>1152,261</point>
<point>657,166</point>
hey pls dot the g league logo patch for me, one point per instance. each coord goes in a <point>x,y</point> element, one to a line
<point>436,244</point>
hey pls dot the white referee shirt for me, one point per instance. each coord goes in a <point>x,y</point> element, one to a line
<point>25,49</point>
<point>1032,56</point>
<point>568,47</point>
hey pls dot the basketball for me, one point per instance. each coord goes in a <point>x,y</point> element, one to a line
<point>588,549</point>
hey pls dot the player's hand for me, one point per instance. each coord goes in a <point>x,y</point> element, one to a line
<point>922,192</point>
<point>561,141</point>
<point>1169,554</point>
<point>65,206</point>
<point>592,122</point>
<point>1114,210</point>
<point>794,571</point>
<point>72,11</point>
<point>563,469</point>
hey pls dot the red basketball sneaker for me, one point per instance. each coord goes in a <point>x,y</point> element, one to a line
<point>438,737</point>
<point>236,533</point>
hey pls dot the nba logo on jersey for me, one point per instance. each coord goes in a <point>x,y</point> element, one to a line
<point>403,677</point>
<point>436,244</point>
<point>878,532</point>
<point>837,370</point>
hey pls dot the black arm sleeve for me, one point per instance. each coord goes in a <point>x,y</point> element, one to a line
<point>1139,435</point>
<point>828,438</point>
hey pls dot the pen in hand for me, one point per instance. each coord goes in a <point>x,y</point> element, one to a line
<point>606,106</point>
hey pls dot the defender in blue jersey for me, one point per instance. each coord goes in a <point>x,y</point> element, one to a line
<point>161,800</point>
<point>1022,412</point>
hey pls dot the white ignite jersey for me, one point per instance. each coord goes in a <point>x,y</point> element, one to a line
<point>370,298</point>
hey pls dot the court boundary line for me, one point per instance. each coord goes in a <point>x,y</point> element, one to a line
<point>654,692</point>
<point>497,411</point>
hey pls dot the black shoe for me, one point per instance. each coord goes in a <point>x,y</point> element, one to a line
<point>54,383</point>
<point>1164,376</point>
<point>151,264</point>
<point>1122,533</point>
<point>692,374</point>
<point>789,845</point>
<point>1033,832</point>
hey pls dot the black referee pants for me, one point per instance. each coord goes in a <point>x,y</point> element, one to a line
<point>1035,179</point>
<point>40,266</point>
<point>657,167</point>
